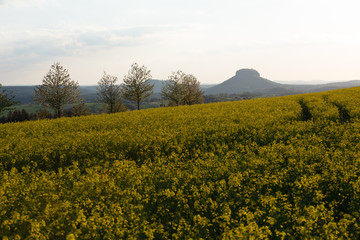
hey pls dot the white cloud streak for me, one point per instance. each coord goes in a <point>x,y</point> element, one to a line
<point>25,3</point>
<point>45,44</point>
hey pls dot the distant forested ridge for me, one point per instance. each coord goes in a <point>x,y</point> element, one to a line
<point>249,80</point>
<point>246,81</point>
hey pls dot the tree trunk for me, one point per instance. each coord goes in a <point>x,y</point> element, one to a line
<point>138,103</point>
<point>58,113</point>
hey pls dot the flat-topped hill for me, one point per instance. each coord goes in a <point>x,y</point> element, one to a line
<point>245,80</point>
<point>249,80</point>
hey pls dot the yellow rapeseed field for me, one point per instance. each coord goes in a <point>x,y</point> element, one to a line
<point>272,168</point>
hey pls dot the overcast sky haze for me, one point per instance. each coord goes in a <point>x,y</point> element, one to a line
<point>285,40</point>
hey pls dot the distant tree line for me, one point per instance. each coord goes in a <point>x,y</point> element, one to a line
<point>58,89</point>
<point>18,116</point>
<point>23,115</point>
<point>224,97</point>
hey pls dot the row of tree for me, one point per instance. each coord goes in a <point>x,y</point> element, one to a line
<point>58,89</point>
<point>136,87</point>
<point>43,113</point>
<point>180,89</point>
<point>23,115</point>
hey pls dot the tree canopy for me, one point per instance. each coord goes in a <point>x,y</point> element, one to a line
<point>182,89</point>
<point>6,101</point>
<point>137,85</point>
<point>110,93</point>
<point>57,89</point>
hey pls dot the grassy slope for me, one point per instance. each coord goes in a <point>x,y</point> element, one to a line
<point>231,170</point>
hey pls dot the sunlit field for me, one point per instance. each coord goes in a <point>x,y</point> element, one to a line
<point>271,168</point>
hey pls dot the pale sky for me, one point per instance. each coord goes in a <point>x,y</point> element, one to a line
<point>284,40</point>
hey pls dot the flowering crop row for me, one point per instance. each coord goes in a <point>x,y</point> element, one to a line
<point>249,169</point>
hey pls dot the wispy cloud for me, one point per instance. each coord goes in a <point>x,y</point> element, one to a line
<point>25,3</point>
<point>44,44</point>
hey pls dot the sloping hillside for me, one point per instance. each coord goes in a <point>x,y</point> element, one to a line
<point>249,80</point>
<point>309,88</point>
<point>245,80</point>
<point>271,168</point>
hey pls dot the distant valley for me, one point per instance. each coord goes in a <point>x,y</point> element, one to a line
<point>244,81</point>
<point>249,80</point>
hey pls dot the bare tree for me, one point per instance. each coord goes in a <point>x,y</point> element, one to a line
<point>137,86</point>
<point>182,89</point>
<point>110,93</point>
<point>6,102</point>
<point>80,110</point>
<point>57,89</point>
<point>172,89</point>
